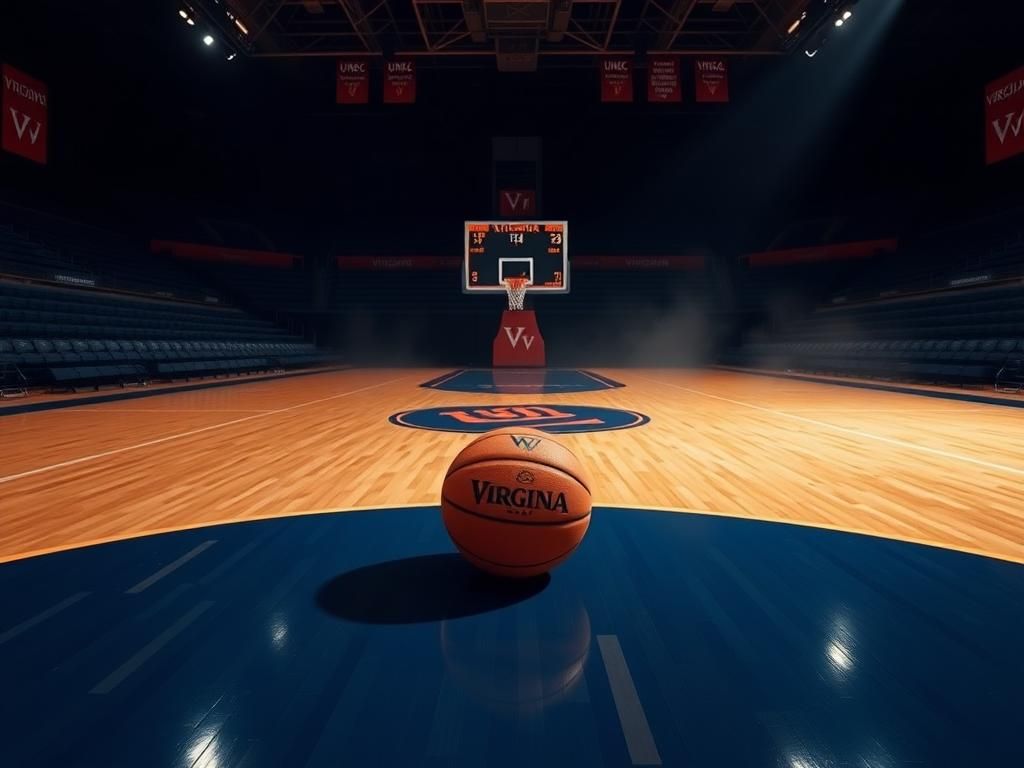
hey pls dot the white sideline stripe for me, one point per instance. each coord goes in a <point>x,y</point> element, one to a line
<point>190,433</point>
<point>639,740</point>
<point>39,618</point>
<point>150,649</point>
<point>170,567</point>
<point>848,431</point>
<point>448,378</point>
<point>604,384</point>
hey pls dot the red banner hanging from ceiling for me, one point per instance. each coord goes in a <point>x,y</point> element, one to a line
<point>353,81</point>
<point>712,80</point>
<point>663,85</point>
<point>25,112</point>
<point>1004,117</point>
<point>616,80</point>
<point>400,81</point>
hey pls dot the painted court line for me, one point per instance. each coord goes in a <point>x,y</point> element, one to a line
<point>639,740</point>
<point>446,379</point>
<point>190,433</point>
<point>170,568</point>
<point>900,411</point>
<point>39,618</point>
<point>848,431</point>
<point>231,561</point>
<point>589,375</point>
<point>150,649</point>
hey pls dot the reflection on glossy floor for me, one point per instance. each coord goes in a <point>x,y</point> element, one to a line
<point>362,639</point>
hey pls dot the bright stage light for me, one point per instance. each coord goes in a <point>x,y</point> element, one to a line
<point>183,13</point>
<point>793,27</point>
<point>847,15</point>
<point>839,22</point>
<point>190,22</point>
<point>231,56</point>
<point>208,39</point>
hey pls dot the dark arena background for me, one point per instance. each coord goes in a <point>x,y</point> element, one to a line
<point>267,267</point>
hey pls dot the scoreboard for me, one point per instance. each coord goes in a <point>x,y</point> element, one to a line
<point>536,250</point>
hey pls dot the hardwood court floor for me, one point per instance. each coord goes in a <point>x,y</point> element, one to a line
<point>895,465</point>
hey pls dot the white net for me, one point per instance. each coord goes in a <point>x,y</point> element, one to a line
<point>515,287</point>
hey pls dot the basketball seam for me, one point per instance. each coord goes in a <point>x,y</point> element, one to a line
<point>527,565</point>
<point>525,461</point>
<point>460,508</point>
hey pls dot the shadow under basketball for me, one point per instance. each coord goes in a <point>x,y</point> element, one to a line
<point>421,589</point>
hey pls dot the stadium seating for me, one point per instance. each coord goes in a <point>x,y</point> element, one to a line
<point>40,245</point>
<point>957,337</point>
<point>262,287</point>
<point>67,337</point>
<point>20,256</point>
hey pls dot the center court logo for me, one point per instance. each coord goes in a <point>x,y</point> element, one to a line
<point>556,419</point>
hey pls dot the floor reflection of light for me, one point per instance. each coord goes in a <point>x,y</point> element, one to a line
<point>202,752</point>
<point>278,632</point>
<point>840,647</point>
<point>839,656</point>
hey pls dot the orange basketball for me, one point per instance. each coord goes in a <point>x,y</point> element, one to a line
<point>516,502</point>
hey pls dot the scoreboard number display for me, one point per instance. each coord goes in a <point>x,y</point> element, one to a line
<point>536,250</point>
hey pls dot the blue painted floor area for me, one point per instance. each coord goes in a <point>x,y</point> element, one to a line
<point>360,639</point>
<point>524,381</point>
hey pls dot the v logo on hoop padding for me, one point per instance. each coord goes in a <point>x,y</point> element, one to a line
<point>514,340</point>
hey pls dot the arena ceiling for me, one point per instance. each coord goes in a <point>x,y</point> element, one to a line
<point>516,35</point>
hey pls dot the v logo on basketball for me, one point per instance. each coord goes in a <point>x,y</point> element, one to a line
<point>514,340</point>
<point>525,443</point>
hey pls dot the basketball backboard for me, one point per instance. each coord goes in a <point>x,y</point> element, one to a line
<point>536,250</point>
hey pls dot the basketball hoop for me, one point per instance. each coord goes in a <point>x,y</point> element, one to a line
<point>515,287</point>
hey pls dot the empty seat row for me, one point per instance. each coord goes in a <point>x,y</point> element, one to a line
<point>27,353</point>
<point>116,261</point>
<point>47,331</point>
<point>15,310</point>
<point>43,360</point>
<point>940,360</point>
<point>95,375</point>
<point>213,367</point>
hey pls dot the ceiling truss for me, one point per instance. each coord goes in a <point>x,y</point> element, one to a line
<point>517,33</point>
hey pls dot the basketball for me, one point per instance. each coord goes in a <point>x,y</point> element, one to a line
<point>516,502</point>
